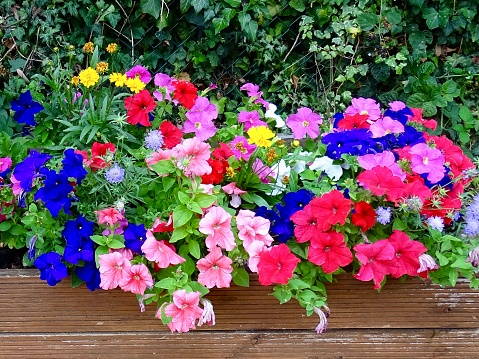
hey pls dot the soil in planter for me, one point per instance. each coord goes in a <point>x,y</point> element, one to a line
<point>11,258</point>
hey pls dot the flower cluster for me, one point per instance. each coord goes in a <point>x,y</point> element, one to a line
<point>176,192</point>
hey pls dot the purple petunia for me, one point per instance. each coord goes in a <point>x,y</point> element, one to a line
<point>304,122</point>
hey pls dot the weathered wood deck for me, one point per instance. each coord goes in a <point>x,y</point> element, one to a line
<point>405,320</point>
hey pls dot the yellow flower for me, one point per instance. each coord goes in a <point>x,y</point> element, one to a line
<point>89,77</point>
<point>260,136</point>
<point>111,48</point>
<point>118,79</point>
<point>89,48</point>
<point>135,85</point>
<point>102,67</point>
<point>75,80</point>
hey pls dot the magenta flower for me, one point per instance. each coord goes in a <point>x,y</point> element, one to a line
<point>113,267</point>
<point>241,149</point>
<point>160,252</point>
<point>396,105</point>
<point>252,228</point>
<point>216,224</point>
<point>5,164</point>
<point>16,185</point>
<point>136,279</point>
<point>192,157</point>
<point>250,119</point>
<point>215,269</point>
<point>304,122</point>
<point>252,90</point>
<point>425,159</point>
<point>263,171</point>
<point>385,126</point>
<point>200,119</point>
<point>364,106</point>
<point>184,310</point>
<point>140,72</point>
<point>166,83</point>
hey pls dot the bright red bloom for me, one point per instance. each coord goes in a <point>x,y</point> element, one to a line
<point>376,261</point>
<point>329,250</point>
<point>432,124</point>
<point>138,107</point>
<point>218,169</point>
<point>98,152</point>
<point>185,93</point>
<point>276,265</point>
<point>331,208</point>
<point>407,254</point>
<point>364,216</point>
<point>306,224</point>
<point>223,152</point>
<point>172,135</point>
<point>353,121</point>
<point>450,203</point>
<point>381,181</point>
<point>415,187</point>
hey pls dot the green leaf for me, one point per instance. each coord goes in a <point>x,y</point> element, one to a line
<point>101,240</point>
<point>296,283</point>
<point>185,5</point>
<point>205,200</point>
<point>168,283</point>
<point>442,259</point>
<point>99,251</point>
<point>194,249</point>
<point>181,215</point>
<point>367,21</point>
<point>466,115</point>
<point>168,182</point>
<point>223,21</point>
<point>453,275</point>
<point>193,206</point>
<point>178,233</point>
<point>462,264</point>
<point>163,167</point>
<point>250,29</point>
<point>254,198</point>
<point>183,198</point>
<point>198,287</point>
<point>199,5</point>
<point>431,16</point>
<point>233,3</point>
<point>298,5</point>
<point>464,138</point>
<point>240,277</point>
<point>5,226</point>
<point>152,7</point>
<point>393,16</point>
<point>282,293</point>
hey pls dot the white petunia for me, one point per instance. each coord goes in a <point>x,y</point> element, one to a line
<point>270,113</point>
<point>326,164</point>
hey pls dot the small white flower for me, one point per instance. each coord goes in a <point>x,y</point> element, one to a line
<point>326,164</point>
<point>300,165</point>
<point>283,172</point>
<point>270,113</point>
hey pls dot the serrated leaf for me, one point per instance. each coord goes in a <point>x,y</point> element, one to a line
<point>240,277</point>
<point>152,7</point>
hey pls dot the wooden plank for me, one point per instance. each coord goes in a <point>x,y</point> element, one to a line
<point>335,344</point>
<point>31,306</point>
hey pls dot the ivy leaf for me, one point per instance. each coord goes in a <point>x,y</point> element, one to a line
<point>367,21</point>
<point>233,3</point>
<point>199,5</point>
<point>222,22</point>
<point>420,100</point>
<point>185,5</point>
<point>298,5</point>
<point>152,7</point>
<point>432,17</point>
<point>248,25</point>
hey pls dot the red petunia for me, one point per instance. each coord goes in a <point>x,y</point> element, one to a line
<point>223,152</point>
<point>138,108</point>
<point>276,266</point>
<point>331,208</point>
<point>432,124</point>
<point>350,122</point>
<point>98,153</point>
<point>407,254</point>
<point>381,181</point>
<point>329,250</point>
<point>306,224</point>
<point>375,261</point>
<point>172,135</point>
<point>185,93</point>
<point>218,169</point>
<point>364,216</point>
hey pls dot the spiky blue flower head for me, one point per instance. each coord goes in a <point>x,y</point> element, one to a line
<point>384,215</point>
<point>154,140</point>
<point>115,174</point>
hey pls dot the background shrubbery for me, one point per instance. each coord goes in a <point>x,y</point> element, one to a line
<point>302,53</point>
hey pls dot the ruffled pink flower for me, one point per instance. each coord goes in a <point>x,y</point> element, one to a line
<point>136,279</point>
<point>217,225</point>
<point>425,159</point>
<point>263,171</point>
<point>252,90</point>
<point>159,252</point>
<point>125,252</point>
<point>184,310</point>
<point>140,72</point>
<point>192,157</point>
<point>109,216</point>
<point>252,228</point>
<point>385,159</point>
<point>364,106</point>
<point>304,122</point>
<point>385,126</point>
<point>5,163</point>
<point>215,269</point>
<point>235,194</point>
<point>397,106</point>
<point>113,267</point>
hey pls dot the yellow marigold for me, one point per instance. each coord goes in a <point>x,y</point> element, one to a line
<point>118,79</point>
<point>111,48</point>
<point>135,85</point>
<point>75,80</point>
<point>260,136</point>
<point>101,67</point>
<point>89,77</point>
<point>89,47</point>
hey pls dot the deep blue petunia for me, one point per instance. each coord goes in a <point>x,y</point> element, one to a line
<point>293,202</point>
<point>444,182</point>
<point>51,267</point>
<point>55,192</point>
<point>410,137</point>
<point>29,168</point>
<point>78,228</point>
<point>25,109</point>
<point>73,165</point>
<point>135,235</point>
<point>79,249</point>
<point>90,274</point>
<point>355,142</point>
<point>283,229</point>
<point>400,115</point>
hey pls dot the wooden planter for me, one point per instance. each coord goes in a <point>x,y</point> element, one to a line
<point>405,320</point>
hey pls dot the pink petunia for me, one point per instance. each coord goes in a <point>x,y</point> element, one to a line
<point>364,106</point>
<point>113,267</point>
<point>396,105</point>
<point>157,156</point>
<point>159,252</point>
<point>192,157</point>
<point>5,163</point>
<point>263,171</point>
<point>200,119</point>
<point>215,269</point>
<point>136,279</point>
<point>385,159</point>
<point>241,149</point>
<point>184,311</point>
<point>385,126</point>
<point>109,216</point>
<point>235,194</point>
<point>425,159</point>
<point>254,250</point>
<point>250,119</point>
<point>216,224</point>
<point>165,82</point>
<point>17,187</point>
<point>304,122</point>
<point>252,228</point>
<point>139,72</point>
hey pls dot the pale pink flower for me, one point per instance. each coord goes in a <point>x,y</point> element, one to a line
<point>113,267</point>
<point>207,188</point>
<point>215,269</point>
<point>364,106</point>
<point>136,279</point>
<point>217,225</point>
<point>109,216</point>
<point>425,159</point>
<point>254,249</point>
<point>5,163</point>
<point>192,157</point>
<point>184,310</point>
<point>252,228</point>
<point>159,252</point>
<point>385,159</point>
<point>385,126</point>
<point>304,122</point>
<point>396,105</point>
<point>323,320</point>
<point>235,193</point>
<point>125,252</point>
<point>139,72</point>
<point>157,156</point>
<point>17,187</point>
<point>208,316</point>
